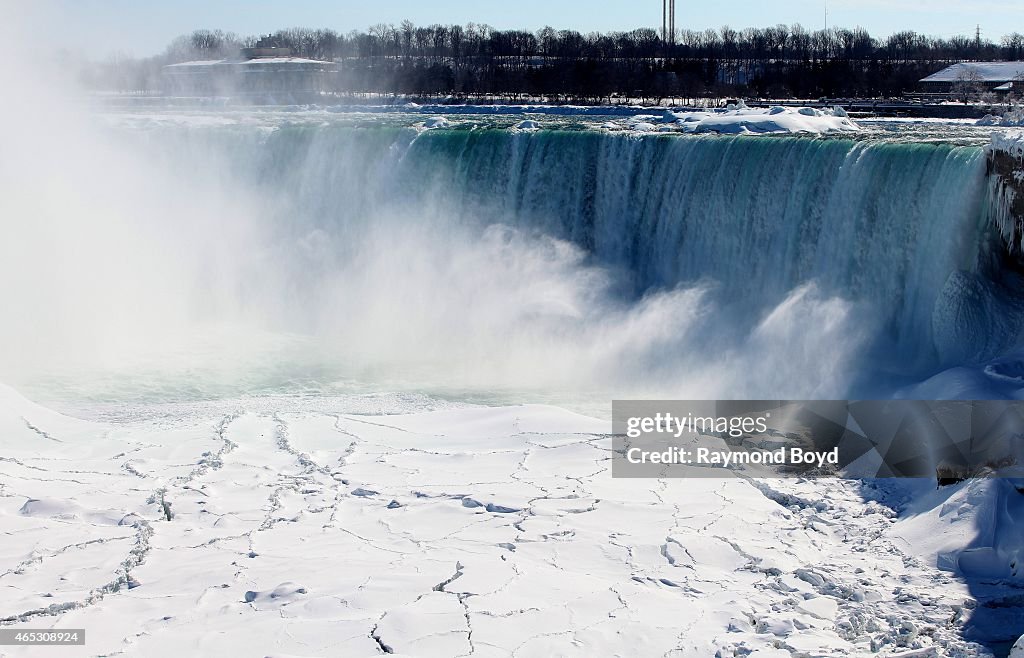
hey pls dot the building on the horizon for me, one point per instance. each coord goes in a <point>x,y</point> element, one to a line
<point>265,70</point>
<point>980,77</point>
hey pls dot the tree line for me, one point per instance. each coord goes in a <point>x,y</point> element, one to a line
<point>565,65</point>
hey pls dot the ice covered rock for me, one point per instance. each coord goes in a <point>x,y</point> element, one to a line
<point>1010,119</point>
<point>776,119</point>
<point>1010,142</point>
<point>436,122</point>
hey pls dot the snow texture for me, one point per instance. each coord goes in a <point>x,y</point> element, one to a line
<point>467,531</point>
<point>741,119</point>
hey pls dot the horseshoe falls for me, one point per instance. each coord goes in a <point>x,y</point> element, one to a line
<point>555,261</point>
<point>551,260</point>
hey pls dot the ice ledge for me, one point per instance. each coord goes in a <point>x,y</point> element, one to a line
<point>1005,172</point>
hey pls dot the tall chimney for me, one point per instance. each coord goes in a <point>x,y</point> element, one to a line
<point>664,21</point>
<point>669,29</point>
<point>668,21</point>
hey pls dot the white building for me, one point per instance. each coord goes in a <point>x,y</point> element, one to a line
<point>989,76</point>
<point>259,73</point>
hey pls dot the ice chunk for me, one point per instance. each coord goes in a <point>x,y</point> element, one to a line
<point>436,122</point>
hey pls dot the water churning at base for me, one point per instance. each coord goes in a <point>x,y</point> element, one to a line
<point>565,260</point>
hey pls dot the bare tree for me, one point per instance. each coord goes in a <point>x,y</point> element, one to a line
<point>968,84</point>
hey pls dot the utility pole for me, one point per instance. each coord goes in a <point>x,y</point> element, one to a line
<point>977,38</point>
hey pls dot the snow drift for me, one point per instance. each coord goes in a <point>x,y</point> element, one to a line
<point>777,119</point>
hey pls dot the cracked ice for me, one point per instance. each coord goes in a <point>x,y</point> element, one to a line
<point>260,530</point>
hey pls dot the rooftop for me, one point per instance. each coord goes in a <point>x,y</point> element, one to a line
<point>249,62</point>
<point>987,72</point>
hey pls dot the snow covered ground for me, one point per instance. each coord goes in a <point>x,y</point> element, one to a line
<point>259,530</point>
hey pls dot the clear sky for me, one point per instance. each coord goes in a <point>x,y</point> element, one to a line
<point>144,27</point>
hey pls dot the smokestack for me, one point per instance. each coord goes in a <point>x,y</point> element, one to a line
<point>664,21</point>
<point>668,21</point>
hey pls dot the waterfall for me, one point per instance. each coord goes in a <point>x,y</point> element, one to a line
<point>673,265</point>
<point>879,222</point>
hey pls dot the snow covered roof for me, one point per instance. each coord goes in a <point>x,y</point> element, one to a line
<point>281,60</point>
<point>199,62</point>
<point>988,71</point>
<point>1004,87</point>
<point>248,62</point>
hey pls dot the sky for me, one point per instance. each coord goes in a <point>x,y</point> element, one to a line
<point>145,27</point>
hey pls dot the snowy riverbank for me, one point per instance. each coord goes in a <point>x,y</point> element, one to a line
<point>491,531</point>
